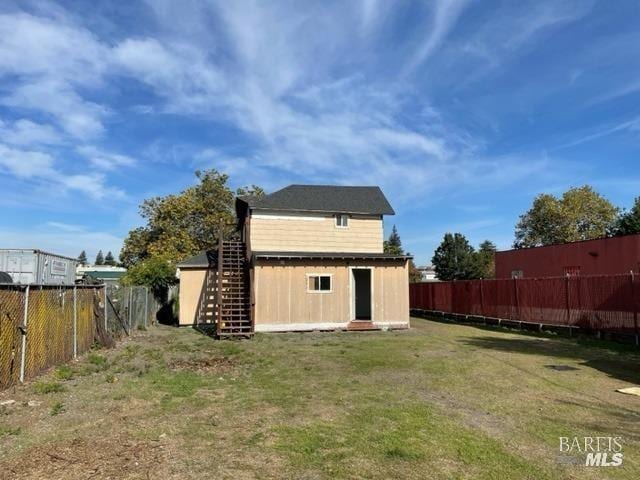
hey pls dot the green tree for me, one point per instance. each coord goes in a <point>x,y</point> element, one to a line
<point>136,246</point>
<point>181,225</point>
<point>99,259</point>
<point>109,260</point>
<point>485,260</point>
<point>393,245</point>
<point>629,220</point>
<point>82,258</point>
<point>454,258</point>
<point>414,274</point>
<point>580,214</point>
<point>157,273</point>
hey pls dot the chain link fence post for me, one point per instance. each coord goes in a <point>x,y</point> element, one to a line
<point>75,323</point>
<point>106,310</point>
<point>23,330</point>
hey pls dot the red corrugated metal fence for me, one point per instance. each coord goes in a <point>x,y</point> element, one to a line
<point>603,302</point>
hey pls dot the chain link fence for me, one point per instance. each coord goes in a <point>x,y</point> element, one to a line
<point>129,309</point>
<point>12,309</point>
<point>42,326</point>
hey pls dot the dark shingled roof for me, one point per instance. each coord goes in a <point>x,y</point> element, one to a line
<point>203,259</point>
<point>324,198</point>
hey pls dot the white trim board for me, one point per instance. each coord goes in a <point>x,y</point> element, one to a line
<point>308,327</point>
<point>300,327</point>
<point>292,216</point>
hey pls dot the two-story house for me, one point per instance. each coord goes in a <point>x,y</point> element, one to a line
<point>310,258</point>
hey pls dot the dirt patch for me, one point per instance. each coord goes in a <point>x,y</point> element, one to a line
<point>84,458</point>
<point>204,365</point>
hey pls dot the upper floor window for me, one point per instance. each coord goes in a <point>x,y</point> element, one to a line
<point>342,221</point>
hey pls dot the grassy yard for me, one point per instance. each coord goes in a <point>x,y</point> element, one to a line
<point>438,401</point>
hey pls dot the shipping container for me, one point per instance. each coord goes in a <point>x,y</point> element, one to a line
<point>28,266</point>
<point>603,256</point>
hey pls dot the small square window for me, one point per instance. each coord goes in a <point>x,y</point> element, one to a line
<point>342,221</point>
<point>319,283</point>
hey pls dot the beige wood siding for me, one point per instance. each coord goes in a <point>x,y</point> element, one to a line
<point>314,233</point>
<point>191,284</point>
<point>281,295</point>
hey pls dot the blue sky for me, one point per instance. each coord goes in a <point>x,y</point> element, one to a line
<point>462,111</point>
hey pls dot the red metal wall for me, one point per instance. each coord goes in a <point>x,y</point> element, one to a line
<point>606,302</point>
<point>607,256</point>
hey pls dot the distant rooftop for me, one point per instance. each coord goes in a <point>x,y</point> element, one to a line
<point>426,268</point>
<point>100,268</point>
<point>202,259</point>
<point>324,198</point>
<point>104,275</point>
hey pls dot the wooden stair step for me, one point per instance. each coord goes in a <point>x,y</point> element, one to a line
<point>226,292</point>
<point>361,325</point>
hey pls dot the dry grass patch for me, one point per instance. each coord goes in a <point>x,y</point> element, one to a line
<point>438,401</point>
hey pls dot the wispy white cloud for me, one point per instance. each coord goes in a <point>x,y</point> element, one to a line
<point>104,160</point>
<point>78,117</point>
<point>24,132</point>
<point>370,13</point>
<point>311,94</point>
<point>51,63</point>
<point>93,185</point>
<point>276,83</point>
<point>632,125</point>
<point>514,28</point>
<point>615,93</point>
<point>298,115</point>
<point>40,167</point>
<point>53,58</point>
<point>444,15</point>
<point>67,227</point>
<point>180,73</point>
<point>25,163</point>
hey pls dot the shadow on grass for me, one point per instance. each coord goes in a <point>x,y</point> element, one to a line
<point>205,329</point>
<point>617,361</point>
<point>209,330</point>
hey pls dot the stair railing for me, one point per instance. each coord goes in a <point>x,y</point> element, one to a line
<point>219,279</point>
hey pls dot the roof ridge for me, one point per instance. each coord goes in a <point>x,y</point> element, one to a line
<point>328,185</point>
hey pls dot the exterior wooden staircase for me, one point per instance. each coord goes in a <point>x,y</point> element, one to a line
<point>225,298</point>
<point>207,306</point>
<point>233,295</point>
